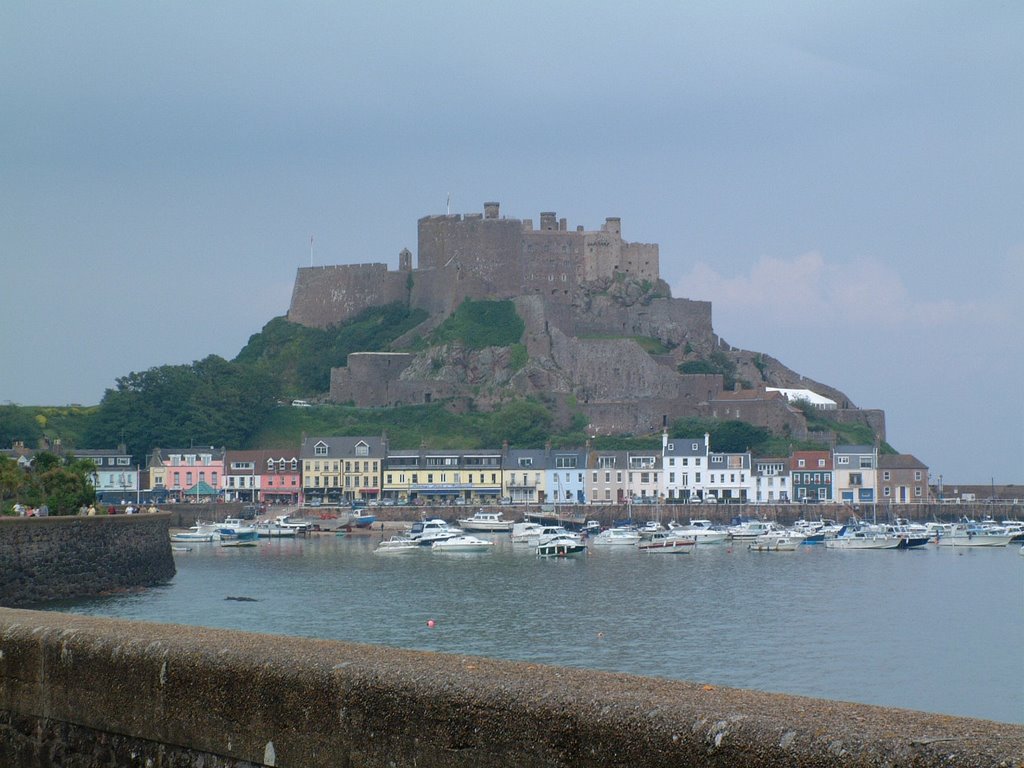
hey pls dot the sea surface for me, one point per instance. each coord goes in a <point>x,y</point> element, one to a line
<point>938,629</point>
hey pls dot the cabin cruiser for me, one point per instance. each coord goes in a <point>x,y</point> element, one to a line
<point>667,542</point>
<point>851,537</point>
<point>548,532</point>
<point>701,531</point>
<point>561,546</point>
<point>488,522</point>
<point>200,532</point>
<point>781,540</point>
<point>816,531</point>
<point>748,530</point>
<point>462,543</point>
<point>426,532</point>
<point>528,532</point>
<point>620,536</point>
<point>972,535</point>
<point>396,545</point>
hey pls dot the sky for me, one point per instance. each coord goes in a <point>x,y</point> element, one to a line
<point>844,181</point>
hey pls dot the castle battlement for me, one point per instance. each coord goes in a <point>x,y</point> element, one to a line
<point>477,255</point>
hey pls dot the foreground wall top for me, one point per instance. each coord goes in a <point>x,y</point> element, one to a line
<point>288,701</point>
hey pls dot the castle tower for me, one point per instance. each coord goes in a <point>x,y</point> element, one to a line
<point>405,260</point>
<point>548,222</point>
<point>613,224</point>
<point>491,210</point>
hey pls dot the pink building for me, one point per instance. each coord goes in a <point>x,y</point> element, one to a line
<point>266,476</point>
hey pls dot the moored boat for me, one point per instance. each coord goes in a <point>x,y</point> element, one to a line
<point>972,535</point>
<point>862,538</point>
<point>777,541</point>
<point>622,537</point>
<point>526,533</point>
<point>486,522</point>
<point>464,543</point>
<point>396,545</point>
<point>561,546</point>
<point>667,542</point>
<point>426,532</point>
<point>701,531</point>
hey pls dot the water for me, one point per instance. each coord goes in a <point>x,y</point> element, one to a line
<point>939,630</point>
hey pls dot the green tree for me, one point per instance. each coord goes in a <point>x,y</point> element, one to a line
<point>12,479</point>
<point>524,424</point>
<point>208,402</point>
<point>18,423</point>
<point>65,490</point>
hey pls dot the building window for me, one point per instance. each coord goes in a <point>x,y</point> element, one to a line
<point>320,449</point>
<point>885,475</point>
<point>801,463</point>
<point>842,459</point>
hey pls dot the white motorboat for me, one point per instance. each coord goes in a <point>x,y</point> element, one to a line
<point>617,537</point>
<point>749,530</point>
<point>973,535</point>
<point>777,541</point>
<point>650,528</point>
<point>548,532</point>
<point>462,543</point>
<point>561,546</point>
<point>667,542</point>
<point>528,532</point>
<point>702,531</point>
<point>396,545</point>
<point>816,531</point>
<point>269,530</point>
<point>236,527</point>
<point>426,532</point>
<point>285,521</point>
<point>863,538</point>
<point>200,532</point>
<point>487,522</point>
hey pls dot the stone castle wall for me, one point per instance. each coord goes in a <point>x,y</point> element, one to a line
<point>324,296</point>
<point>479,256</point>
<point>59,558</point>
<point>78,692</point>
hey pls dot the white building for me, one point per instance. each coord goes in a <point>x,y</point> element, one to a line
<point>684,466</point>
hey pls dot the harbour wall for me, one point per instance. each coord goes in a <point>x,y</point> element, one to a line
<point>59,558</point>
<point>81,691</point>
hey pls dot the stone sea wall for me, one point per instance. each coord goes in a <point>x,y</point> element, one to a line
<point>58,558</point>
<point>79,691</point>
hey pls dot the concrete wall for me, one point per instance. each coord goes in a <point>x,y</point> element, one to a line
<point>57,558</point>
<point>78,691</point>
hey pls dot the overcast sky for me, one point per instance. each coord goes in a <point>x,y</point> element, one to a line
<point>844,181</point>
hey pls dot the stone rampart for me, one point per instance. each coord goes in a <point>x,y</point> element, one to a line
<point>78,691</point>
<point>58,558</point>
<point>324,296</point>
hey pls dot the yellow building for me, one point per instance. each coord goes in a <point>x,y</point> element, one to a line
<point>442,477</point>
<point>336,470</point>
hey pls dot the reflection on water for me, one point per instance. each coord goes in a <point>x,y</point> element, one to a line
<point>938,630</point>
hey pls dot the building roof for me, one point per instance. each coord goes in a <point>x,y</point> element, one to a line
<point>341,447</point>
<point>900,461</point>
<point>793,395</point>
<point>686,446</point>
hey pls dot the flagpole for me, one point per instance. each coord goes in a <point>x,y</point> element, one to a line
<point>311,250</point>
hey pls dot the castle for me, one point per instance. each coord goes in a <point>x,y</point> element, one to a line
<point>478,256</point>
<point>586,297</point>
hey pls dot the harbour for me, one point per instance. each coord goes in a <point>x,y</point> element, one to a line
<point>934,629</point>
